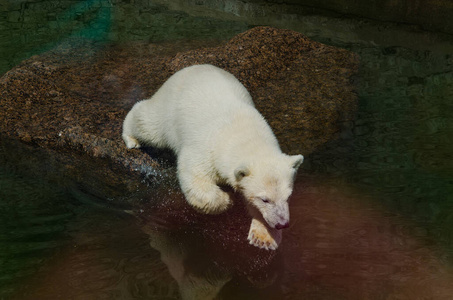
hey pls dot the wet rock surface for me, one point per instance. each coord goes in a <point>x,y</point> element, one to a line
<point>76,96</point>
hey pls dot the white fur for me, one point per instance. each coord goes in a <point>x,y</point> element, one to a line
<point>208,118</point>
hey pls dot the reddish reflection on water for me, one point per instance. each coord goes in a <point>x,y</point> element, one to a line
<point>340,245</point>
<point>343,246</point>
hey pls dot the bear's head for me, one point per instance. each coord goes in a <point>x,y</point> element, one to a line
<point>267,186</point>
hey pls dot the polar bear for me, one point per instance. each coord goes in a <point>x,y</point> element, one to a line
<point>207,117</point>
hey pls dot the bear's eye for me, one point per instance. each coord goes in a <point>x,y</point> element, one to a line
<point>265,200</point>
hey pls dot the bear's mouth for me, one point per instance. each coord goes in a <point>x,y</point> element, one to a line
<point>280,226</point>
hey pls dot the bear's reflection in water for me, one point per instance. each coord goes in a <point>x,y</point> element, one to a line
<point>210,255</point>
<point>340,245</point>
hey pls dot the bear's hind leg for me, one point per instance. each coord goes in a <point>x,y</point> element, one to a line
<point>129,127</point>
<point>131,142</point>
<point>200,190</point>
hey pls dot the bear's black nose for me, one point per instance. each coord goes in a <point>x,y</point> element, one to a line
<point>281,226</point>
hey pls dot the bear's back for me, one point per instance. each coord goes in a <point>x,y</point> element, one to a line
<point>199,100</point>
<point>209,84</point>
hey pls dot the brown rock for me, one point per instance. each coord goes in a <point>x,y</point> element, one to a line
<point>75,97</point>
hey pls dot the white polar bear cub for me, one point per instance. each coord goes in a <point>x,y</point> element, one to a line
<point>208,118</point>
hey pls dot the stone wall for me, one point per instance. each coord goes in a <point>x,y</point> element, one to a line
<point>29,27</point>
<point>432,15</point>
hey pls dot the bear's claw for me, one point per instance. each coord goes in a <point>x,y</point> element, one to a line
<point>263,237</point>
<point>257,241</point>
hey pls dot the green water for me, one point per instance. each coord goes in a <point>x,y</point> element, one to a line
<point>400,146</point>
<point>395,160</point>
<point>32,227</point>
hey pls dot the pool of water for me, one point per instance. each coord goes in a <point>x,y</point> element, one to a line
<point>372,212</point>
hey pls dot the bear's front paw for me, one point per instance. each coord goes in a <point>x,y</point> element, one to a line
<point>263,237</point>
<point>131,142</point>
<point>215,202</point>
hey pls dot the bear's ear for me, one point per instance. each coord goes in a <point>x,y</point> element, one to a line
<point>241,172</point>
<point>296,161</point>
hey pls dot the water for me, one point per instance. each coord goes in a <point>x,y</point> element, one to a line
<point>372,212</point>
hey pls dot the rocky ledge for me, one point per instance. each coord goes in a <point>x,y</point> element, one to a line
<point>76,96</point>
<point>62,113</point>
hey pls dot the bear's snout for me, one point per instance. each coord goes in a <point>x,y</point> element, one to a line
<point>281,226</point>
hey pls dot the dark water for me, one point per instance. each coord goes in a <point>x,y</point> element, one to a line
<point>372,213</point>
